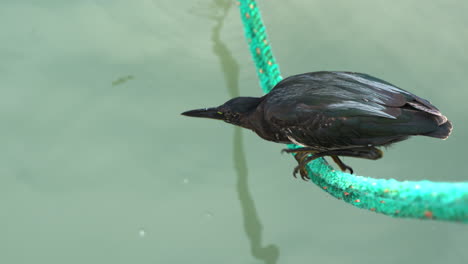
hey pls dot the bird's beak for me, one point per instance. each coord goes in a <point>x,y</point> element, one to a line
<point>212,113</point>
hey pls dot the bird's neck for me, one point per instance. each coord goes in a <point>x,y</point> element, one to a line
<point>254,120</point>
<point>249,109</point>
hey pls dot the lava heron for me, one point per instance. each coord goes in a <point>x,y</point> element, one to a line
<point>333,114</point>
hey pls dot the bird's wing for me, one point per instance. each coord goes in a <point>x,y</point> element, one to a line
<point>342,94</point>
<point>347,106</point>
<point>387,93</point>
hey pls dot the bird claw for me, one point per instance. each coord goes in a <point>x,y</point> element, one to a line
<point>304,175</point>
<point>342,165</point>
<point>302,171</point>
<point>345,168</point>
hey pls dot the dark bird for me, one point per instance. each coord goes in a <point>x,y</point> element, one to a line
<point>333,114</point>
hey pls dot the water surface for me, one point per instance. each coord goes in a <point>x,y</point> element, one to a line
<point>97,165</point>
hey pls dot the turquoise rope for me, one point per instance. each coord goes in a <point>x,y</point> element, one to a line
<point>410,199</point>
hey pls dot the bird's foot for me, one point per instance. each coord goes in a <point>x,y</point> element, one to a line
<point>342,165</point>
<point>298,169</point>
<point>301,155</point>
<point>302,171</point>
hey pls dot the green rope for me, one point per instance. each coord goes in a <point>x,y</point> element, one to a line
<point>422,199</point>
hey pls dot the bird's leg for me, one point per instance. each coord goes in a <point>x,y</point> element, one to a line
<point>299,150</point>
<point>341,164</point>
<point>364,153</point>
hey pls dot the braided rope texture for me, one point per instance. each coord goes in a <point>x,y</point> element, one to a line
<point>409,199</point>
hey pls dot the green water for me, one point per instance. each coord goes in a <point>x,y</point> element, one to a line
<point>97,165</point>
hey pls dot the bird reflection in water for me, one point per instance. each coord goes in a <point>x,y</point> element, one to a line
<point>230,68</point>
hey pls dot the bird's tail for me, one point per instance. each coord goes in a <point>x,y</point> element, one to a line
<point>442,132</point>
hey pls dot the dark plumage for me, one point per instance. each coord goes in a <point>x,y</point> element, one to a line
<point>333,114</point>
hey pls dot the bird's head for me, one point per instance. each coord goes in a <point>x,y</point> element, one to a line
<point>233,111</point>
